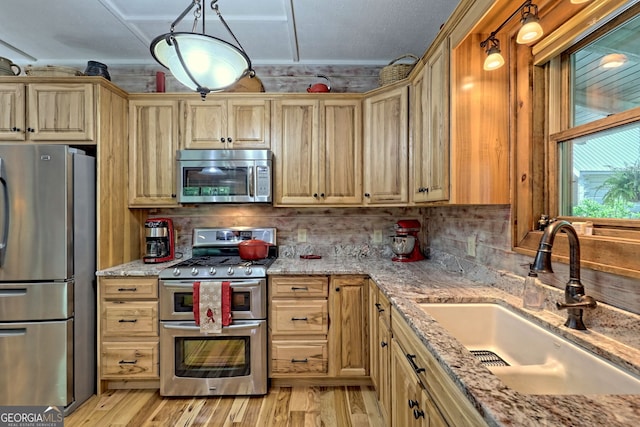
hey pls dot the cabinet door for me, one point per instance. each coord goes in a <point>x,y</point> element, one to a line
<point>153,141</point>
<point>60,112</point>
<point>12,124</point>
<point>384,366</point>
<point>374,347</point>
<point>386,164</point>
<point>205,124</point>
<point>249,123</point>
<point>296,155</point>
<point>348,340</point>
<point>340,152</point>
<point>404,390</point>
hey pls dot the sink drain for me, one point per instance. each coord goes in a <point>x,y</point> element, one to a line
<point>489,358</point>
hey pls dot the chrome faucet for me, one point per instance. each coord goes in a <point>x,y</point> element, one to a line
<point>575,299</point>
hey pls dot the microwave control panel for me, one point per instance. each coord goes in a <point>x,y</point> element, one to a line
<point>263,181</point>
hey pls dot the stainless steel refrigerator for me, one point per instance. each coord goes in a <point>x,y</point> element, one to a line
<point>47,276</point>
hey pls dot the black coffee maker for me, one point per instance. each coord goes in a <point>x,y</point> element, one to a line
<point>159,240</point>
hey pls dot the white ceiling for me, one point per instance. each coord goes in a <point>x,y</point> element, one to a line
<point>273,32</point>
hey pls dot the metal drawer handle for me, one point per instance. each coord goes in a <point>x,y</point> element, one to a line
<point>127,321</point>
<point>299,288</point>
<point>127,289</point>
<point>300,360</point>
<point>299,318</point>
<point>128,362</point>
<point>379,307</point>
<point>415,367</point>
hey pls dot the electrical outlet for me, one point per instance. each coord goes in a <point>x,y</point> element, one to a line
<point>471,246</point>
<point>302,235</point>
<point>377,236</point>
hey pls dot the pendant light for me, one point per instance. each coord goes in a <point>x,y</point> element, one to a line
<point>201,62</point>
<point>528,33</point>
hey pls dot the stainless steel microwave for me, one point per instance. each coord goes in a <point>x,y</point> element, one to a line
<point>224,176</point>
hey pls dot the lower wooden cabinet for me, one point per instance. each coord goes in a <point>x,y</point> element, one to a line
<point>128,327</point>
<point>318,327</point>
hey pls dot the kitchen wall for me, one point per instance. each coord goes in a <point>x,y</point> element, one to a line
<point>449,227</point>
<point>329,231</point>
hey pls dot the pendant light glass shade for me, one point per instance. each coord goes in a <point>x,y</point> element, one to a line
<point>199,61</point>
<point>494,59</point>
<point>207,62</point>
<point>530,31</point>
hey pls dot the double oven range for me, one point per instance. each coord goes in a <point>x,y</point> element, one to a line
<point>233,362</point>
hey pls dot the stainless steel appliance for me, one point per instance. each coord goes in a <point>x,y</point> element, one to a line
<point>224,176</point>
<point>159,242</point>
<point>47,276</point>
<point>233,362</point>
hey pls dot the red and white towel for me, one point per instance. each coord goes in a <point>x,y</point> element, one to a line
<point>212,305</point>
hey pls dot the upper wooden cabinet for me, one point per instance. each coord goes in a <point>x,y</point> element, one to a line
<point>386,164</point>
<point>220,123</point>
<point>317,151</point>
<point>153,142</point>
<point>430,129</point>
<point>47,112</point>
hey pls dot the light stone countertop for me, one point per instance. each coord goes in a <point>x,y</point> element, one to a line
<point>407,284</point>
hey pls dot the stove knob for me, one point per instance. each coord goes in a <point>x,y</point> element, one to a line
<point>194,271</point>
<point>176,272</point>
<point>212,271</point>
<point>248,271</point>
<point>230,271</point>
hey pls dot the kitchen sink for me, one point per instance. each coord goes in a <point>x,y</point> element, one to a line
<point>527,357</point>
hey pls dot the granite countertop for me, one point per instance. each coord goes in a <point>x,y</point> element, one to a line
<point>407,284</point>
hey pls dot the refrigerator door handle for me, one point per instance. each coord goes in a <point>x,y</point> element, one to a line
<point>7,211</point>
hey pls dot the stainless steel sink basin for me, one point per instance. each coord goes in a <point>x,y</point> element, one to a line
<point>527,357</point>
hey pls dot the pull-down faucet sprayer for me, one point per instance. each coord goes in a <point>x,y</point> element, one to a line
<point>575,299</point>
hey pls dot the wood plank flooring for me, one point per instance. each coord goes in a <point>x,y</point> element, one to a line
<point>283,407</point>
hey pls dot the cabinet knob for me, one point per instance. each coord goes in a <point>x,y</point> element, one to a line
<point>322,195</point>
<point>229,139</point>
<point>413,403</point>
<point>423,190</point>
<point>315,195</point>
<point>367,195</point>
<point>31,130</point>
<point>15,129</point>
<point>383,344</point>
<point>338,289</point>
<point>222,140</point>
<point>418,413</point>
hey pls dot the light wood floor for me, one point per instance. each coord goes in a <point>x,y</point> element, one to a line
<point>283,406</point>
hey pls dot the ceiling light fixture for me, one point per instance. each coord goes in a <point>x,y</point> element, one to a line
<point>579,1</point>
<point>528,33</point>
<point>201,62</point>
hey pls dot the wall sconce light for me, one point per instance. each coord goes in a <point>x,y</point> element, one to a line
<point>201,62</point>
<point>528,33</point>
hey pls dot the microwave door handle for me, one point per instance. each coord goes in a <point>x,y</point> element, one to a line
<point>7,211</point>
<point>251,182</point>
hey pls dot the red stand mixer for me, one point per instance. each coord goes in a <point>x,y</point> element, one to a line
<point>405,243</point>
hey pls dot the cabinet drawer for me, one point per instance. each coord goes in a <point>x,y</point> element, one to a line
<point>299,286</point>
<point>135,318</point>
<point>128,288</point>
<point>297,357</point>
<point>129,360</point>
<point>299,316</point>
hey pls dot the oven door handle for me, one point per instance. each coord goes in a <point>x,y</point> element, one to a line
<point>233,283</point>
<point>190,326</point>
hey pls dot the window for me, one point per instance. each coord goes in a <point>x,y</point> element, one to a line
<point>599,171</point>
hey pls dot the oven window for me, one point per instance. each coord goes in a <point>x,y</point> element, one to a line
<point>183,302</point>
<point>216,181</point>
<point>213,357</point>
<point>241,301</point>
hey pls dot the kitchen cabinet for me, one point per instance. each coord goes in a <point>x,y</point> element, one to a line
<point>318,332</point>
<point>386,164</point>
<point>348,338</point>
<point>298,326</point>
<point>418,378</point>
<point>153,142</point>
<point>380,347</point>
<point>128,328</point>
<point>225,123</point>
<point>47,112</point>
<point>430,128</point>
<point>318,151</point>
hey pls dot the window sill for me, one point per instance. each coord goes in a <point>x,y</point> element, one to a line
<point>614,255</point>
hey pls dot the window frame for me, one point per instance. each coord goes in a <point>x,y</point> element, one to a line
<point>615,245</point>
